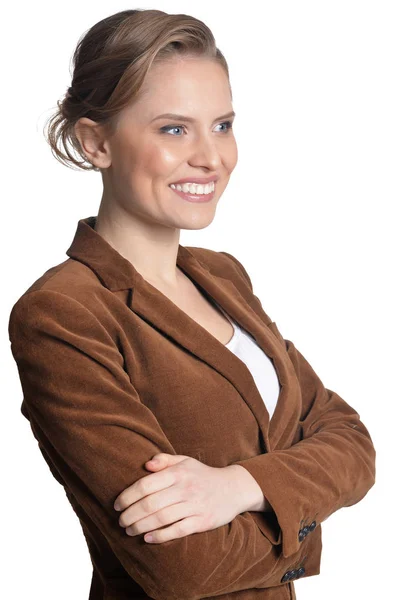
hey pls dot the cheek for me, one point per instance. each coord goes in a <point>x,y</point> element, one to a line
<point>158,161</point>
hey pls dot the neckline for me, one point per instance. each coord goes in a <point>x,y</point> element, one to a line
<point>214,278</point>
<point>234,338</point>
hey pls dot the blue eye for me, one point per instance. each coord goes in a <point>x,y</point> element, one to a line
<point>229,125</point>
<point>167,128</point>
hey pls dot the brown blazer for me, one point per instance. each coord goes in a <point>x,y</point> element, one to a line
<point>113,372</point>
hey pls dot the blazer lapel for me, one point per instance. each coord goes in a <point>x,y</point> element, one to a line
<point>152,305</point>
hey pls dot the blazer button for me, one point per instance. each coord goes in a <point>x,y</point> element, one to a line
<point>289,575</point>
<point>301,535</point>
<point>301,572</point>
<point>312,526</point>
<point>306,530</point>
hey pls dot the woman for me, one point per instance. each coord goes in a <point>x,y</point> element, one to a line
<point>137,348</point>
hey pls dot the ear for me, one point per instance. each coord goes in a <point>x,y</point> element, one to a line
<point>92,138</point>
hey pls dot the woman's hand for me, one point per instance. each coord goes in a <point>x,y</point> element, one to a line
<point>183,491</point>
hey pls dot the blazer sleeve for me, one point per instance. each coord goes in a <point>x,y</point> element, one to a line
<point>96,435</point>
<point>331,467</point>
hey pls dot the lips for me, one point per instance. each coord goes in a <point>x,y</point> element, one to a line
<point>194,198</point>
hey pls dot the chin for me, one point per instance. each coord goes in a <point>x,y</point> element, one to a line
<point>197,221</point>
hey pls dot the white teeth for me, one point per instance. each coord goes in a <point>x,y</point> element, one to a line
<point>194,188</point>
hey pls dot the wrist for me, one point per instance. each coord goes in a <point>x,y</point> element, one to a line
<point>248,492</point>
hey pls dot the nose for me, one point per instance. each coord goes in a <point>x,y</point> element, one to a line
<point>206,153</point>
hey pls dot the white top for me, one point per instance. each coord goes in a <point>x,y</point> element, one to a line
<point>243,345</point>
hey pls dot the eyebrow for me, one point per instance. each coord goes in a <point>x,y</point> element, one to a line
<point>189,119</point>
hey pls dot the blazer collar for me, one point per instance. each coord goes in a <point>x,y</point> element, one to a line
<point>113,270</point>
<point>117,273</point>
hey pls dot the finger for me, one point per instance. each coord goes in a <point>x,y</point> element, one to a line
<point>156,463</point>
<point>134,492</point>
<point>141,488</point>
<point>149,484</point>
<point>167,516</point>
<point>156,460</point>
<point>178,530</point>
<point>149,507</point>
<point>165,459</point>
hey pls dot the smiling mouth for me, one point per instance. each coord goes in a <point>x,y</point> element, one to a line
<point>190,195</point>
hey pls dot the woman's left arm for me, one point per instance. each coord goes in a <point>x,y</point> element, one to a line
<point>331,467</point>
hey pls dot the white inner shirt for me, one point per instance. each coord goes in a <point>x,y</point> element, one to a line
<point>244,346</point>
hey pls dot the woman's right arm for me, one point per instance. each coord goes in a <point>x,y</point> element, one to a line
<point>88,417</point>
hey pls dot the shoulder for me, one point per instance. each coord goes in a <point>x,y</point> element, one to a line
<point>226,265</point>
<point>67,289</point>
<point>65,277</point>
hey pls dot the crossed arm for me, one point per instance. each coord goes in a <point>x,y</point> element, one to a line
<point>85,412</point>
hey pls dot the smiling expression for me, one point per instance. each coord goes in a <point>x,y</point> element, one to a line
<point>147,152</point>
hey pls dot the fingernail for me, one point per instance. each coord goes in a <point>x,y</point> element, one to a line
<point>117,506</point>
<point>148,538</point>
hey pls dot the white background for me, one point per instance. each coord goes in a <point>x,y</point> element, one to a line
<point>309,211</point>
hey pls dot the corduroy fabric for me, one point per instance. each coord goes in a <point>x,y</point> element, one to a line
<point>113,372</point>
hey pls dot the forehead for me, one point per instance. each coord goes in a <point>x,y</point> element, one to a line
<point>181,86</point>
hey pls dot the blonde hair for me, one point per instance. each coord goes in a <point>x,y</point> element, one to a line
<point>110,63</point>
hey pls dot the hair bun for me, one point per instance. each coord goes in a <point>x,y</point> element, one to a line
<point>110,63</point>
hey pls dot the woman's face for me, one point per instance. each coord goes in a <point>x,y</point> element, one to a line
<point>147,152</point>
